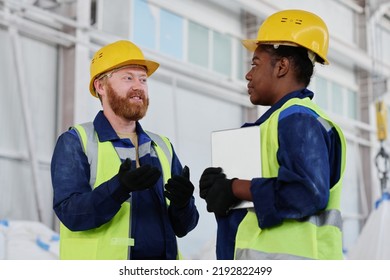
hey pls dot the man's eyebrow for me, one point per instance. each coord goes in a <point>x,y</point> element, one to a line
<point>128,72</point>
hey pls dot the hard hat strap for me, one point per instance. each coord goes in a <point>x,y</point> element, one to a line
<point>312,56</point>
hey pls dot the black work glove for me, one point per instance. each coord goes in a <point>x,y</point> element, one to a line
<point>220,197</point>
<point>179,189</point>
<point>138,179</point>
<point>208,178</point>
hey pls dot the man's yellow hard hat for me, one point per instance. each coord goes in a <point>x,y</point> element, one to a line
<point>115,55</point>
<point>293,27</point>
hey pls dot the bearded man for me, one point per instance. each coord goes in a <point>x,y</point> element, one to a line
<point>120,192</point>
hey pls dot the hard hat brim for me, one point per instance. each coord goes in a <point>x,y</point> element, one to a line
<point>250,44</point>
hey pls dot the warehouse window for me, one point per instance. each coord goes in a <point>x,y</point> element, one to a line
<point>337,98</point>
<point>352,104</point>
<point>171,34</point>
<point>222,53</point>
<point>321,92</point>
<point>152,27</point>
<point>198,44</point>
<point>115,18</point>
<point>144,24</point>
<point>243,60</point>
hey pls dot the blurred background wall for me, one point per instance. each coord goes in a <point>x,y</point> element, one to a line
<point>46,47</point>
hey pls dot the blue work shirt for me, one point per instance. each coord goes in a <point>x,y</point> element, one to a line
<point>301,188</point>
<point>79,207</point>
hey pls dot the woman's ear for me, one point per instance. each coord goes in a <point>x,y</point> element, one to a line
<point>282,66</point>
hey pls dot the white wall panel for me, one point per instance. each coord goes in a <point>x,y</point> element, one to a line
<point>11,120</point>
<point>160,115</point>
<point>17,193</point>
<point>20,197</point>
<point>41,77</point>
<point>197,116</point>
<point>351,196</point>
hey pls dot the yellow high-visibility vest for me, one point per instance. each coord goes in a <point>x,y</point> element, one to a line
<point>110,241</point>
<point>316,237</point>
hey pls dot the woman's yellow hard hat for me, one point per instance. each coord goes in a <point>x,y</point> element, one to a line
<point>293,27</point>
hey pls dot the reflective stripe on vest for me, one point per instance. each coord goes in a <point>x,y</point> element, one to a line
<point>110,240</point>
<point>316,237</point>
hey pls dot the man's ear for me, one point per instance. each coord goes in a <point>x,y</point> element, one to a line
<point>282,67</point>
<point>99,86</point>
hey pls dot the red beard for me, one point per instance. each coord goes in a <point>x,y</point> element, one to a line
<point>123,107</point>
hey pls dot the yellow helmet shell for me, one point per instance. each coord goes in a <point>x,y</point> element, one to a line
<point>293,27</point>
<point>115,55</point>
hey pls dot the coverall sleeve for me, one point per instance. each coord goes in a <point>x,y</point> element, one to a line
<point>302,186</point>
<point>76,204</point>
